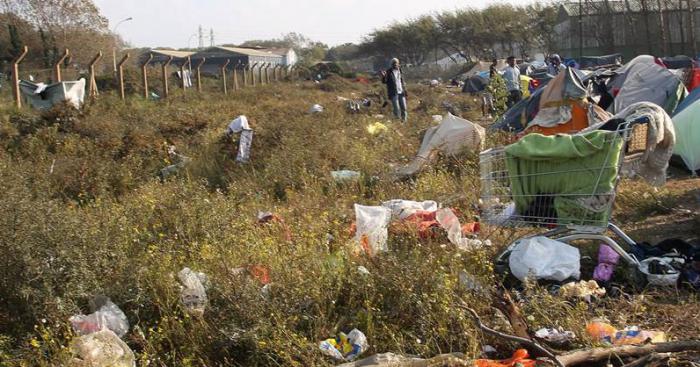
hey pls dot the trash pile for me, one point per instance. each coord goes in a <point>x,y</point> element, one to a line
<point>345,347</point>
<point>372,224</point>
<point>42,96</point>
<point>193,293</point>
<point>99,341</point>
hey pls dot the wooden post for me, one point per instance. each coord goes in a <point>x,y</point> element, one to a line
<point>198,67</point>
<point>235,76</point>
<point>164,67</point>
<point>92,90</point>
<point>252,73</point>
<point>120,70</point>
<point>57,65</point>
<point>260,73</point>
<point>144,75</point>
<point>182,74</point>
<point>245,75</point>
<point>223,75</point>
<point>15,76</point>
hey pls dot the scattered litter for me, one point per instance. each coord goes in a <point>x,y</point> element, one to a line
<point>269,218</point>
<point>544,258</point>
<point>520,358</point>
<point>371,232</point>
<point>452,137</point>
<point>378,116</point>
<point>42,96</point>
<point>179,161</point>
<point>377,128</point>
<point>345,347</point>
<point>193,293</point>
<point>106,315</point>
<point>316,108</point>
<point>555,336</point>
<point>434,83</point>
<point>240,125</point>
<point>386,360</point>
<point>488,349</point>
<point>343,176</point>
<point>437,118</point>
<point>607,259</point>
<point>101,349</point>
<point>583,289</point>
<point>362,270</point>
<point>606,333</point>
<point>402,209</point>
<point>659,271</point>
<point>449,221</point>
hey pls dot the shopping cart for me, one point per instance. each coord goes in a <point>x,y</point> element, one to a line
<point>572,198</point>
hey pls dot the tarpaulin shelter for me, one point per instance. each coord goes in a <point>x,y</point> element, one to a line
<point>678,62</point>
<point>621,74</point>
<point>687,101</point>
<point>564,108</point>
<point>687,126</point>
<point>650,83</point>
<point>592,62</point>
<point>42,96</point>
<point>475,84</point>
<point>517,117</point>
<point>454,136</point>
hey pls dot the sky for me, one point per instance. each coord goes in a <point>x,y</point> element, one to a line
<point>174,23</point>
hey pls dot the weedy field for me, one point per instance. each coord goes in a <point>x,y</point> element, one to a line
<point>84,213</point>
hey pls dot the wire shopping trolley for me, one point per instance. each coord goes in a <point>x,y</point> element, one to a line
<point>566,184</point>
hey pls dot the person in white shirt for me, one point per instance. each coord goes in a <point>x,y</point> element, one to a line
<point>396,89</point>
<point>511,74</point>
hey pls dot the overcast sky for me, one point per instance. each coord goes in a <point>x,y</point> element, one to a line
<point>172,23</point>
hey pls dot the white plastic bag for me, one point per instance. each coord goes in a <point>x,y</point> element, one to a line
<point>244,146</point>
<point>372,223</point>
<point>405,208</point>
<point>238,124</point>
<point>544,258</point>
<point>102,349</point>
<point>316,108</point>
<point>449,221</point>
<point>193,294</point>
<point>108,316</point>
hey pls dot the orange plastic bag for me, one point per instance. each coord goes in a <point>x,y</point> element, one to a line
<point>520,356</point>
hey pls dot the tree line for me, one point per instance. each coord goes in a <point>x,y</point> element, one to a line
<point>495,31</point>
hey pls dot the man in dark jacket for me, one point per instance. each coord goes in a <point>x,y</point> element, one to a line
<point>396,89</point>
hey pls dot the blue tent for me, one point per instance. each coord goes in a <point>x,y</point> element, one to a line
<point>689,100</point>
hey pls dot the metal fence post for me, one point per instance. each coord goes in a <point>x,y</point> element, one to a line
<point>15,76</point>
<point>92,90</point>
<point>120,69</point>
<point>223,75</point>
<point>144,75</point>
<point>260,73</point>
<point>199,74</point>
<point>57,65</point>
<point>164,67</point>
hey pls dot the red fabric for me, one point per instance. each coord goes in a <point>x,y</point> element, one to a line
<point>694,80</point>
<point>260,272</point>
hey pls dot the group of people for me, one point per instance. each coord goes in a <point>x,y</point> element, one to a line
<point>396,87</point>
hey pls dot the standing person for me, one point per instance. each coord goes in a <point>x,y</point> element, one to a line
<point>555,65</point>
<point>511,74</point>
<point>492,68</point>
<point>396,89</point>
